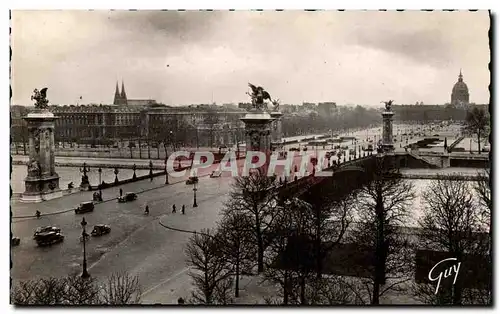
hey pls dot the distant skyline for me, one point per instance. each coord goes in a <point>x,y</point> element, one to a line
<point>182,58</point>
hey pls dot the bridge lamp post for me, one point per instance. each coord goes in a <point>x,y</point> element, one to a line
<point>194,195</point>
<point>85,273</point>
<point>100,181</point>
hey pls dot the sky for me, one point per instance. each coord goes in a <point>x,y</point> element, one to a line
<point>192,57</point>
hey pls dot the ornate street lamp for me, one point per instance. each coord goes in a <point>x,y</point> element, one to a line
<point>85,178</point>
<point>194,195</point>
<point>85,273</point>
<point>100,181</point>
<point>116,174</point>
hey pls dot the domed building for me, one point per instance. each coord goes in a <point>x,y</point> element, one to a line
<point>460,92</point>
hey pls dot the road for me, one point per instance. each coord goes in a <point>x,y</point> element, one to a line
<point>137,243</point>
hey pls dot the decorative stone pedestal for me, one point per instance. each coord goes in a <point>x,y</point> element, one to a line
<point>387,144</point>
<point>276,135</point>
<point>42,181</point>
<point>258,133</point>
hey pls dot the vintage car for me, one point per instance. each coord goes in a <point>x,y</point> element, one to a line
<point>100,230</point>
<point>192,180</point>
<point>215,174</point>
<point>128,197</point>
<point>15,241</point>
<point>294,149</point>
<point>45,229</point>
<point>49,238</point>
<point>85,207</point>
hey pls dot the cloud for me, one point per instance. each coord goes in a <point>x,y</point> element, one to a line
<point>348,57</point>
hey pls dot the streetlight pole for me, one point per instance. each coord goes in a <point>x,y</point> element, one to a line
<point>194,196</point>
<point>85,273</point>
<point>100,181</point>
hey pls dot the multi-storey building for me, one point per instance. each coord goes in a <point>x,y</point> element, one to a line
<point>201,126</point>
<point>96,122</point>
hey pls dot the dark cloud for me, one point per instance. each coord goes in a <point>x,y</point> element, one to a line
<point>427,46</point>
<point>188,25</point>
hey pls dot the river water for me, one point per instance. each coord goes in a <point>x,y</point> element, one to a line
<point>72,174</point>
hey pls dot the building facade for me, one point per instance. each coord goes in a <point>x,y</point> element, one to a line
<point>106,124</point>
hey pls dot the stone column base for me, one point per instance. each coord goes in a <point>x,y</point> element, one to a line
<point>40,197</point>
<point>388,148</point>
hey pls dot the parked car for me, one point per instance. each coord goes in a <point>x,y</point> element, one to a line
<point>215,174</point>
<point>49,238</point>
<point>192,180</point>
<point>100,230</point>
<point>85,207</point>
<point>294,149</point>
<point>45,229</point>
<point>128,197</point>
<point>15,241</point>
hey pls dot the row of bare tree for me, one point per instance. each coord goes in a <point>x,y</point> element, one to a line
<point>353,249</point>
<point>117,289</point>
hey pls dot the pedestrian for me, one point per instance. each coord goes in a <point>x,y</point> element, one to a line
<point>183,209</point>
<point>147,210</point>
<point>38,214</point>
<point>121,192</point>
<point>173,209</point>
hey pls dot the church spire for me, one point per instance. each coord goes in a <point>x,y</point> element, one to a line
<point>116,101</point>
<point>123,95</point>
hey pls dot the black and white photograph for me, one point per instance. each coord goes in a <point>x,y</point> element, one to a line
<point>251,157</point>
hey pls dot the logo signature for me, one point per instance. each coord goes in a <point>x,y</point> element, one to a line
<point>453,269</point>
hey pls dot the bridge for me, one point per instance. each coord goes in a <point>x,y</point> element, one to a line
<point>350,174</point>
<point>302,185</point>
